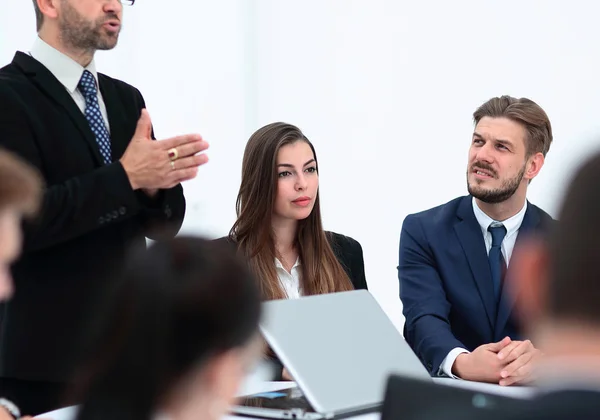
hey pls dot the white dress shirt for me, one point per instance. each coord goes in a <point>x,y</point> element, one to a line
<point>512,226</point>
<point>68,72</point>
<point>290,281</point>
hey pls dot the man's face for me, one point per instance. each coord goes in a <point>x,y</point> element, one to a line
<point>497,159</point>
<point>90,24</point>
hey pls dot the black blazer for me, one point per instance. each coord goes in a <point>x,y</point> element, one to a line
<point>90,217</point>
<point>348,253</point>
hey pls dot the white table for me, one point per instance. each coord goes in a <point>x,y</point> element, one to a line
<point>251,388</point>
<point>508,391</point>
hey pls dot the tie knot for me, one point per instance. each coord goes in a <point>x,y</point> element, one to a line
<point>87,84</point>
<point>498,232</point>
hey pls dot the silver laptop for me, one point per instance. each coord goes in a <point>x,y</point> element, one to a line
<point>340,348</point>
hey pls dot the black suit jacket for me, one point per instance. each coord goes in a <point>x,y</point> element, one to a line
<point>89,220</point>
<point>348,253</point>
<point>350,256</point>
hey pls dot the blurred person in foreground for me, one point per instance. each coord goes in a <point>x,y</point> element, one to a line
<point>176,337</point>
<point>20,195</point>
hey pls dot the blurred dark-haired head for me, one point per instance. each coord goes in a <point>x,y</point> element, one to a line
<point>558,281</point>
<point>177,335</point>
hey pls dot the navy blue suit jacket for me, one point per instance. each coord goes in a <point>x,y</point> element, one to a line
<point>446,285</point>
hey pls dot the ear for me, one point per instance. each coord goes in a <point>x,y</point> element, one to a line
<point>534,166</point>
<point>528,280</point>
<point>49,8</point>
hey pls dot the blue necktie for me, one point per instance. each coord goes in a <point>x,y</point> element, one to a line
<point>87,86</point>
<point>497,263</point>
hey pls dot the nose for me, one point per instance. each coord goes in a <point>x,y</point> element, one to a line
<point>301,182</point>
<point>113,6</point>
<point>485,153</point>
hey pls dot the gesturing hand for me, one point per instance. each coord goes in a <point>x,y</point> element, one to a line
<point>153,164</point>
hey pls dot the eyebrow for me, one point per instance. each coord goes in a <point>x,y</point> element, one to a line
<point>503,142</point>
<point>287,165</point>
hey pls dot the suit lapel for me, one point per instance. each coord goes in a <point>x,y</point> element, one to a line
<point>471,239</point>
<point>47,83</point>
<point>116,116</point>
<point>531,221</point>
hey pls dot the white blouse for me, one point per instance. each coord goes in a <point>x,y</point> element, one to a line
<point>290,281</point>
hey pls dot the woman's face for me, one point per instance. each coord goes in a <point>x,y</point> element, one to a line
<point>297,182</point>
<point>10,247</point>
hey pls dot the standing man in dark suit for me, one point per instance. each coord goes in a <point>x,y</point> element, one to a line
<point>453,258</point>
<point>108,187</point>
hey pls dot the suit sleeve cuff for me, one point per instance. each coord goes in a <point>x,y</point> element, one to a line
<point>446,366</point>
<point>152,203</point>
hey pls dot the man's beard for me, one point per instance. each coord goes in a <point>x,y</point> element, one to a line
<point>79,33</point>
<point>498,195</point>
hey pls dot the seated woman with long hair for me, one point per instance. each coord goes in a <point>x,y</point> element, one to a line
<point>278,227</point>
<point>175,339</point>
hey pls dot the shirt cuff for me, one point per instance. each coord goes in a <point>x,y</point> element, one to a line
<point>446,366</point>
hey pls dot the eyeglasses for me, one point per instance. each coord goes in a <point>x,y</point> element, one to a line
<point>127,2</point>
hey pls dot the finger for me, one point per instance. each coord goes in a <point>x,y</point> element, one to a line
<point>178,181</point>
<point>190,162</point>
<point>180,141</point>
<point>496,347</point>
<point>190,149</point>
<point>144,125</point>
<point>513,367</point>
<point>509,381</point>
<point>181,175</point>
<point>520,376</point>
<point>508,355</point>
<point>502,354</point>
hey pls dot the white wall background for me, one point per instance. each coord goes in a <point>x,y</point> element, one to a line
<point>385,89</point>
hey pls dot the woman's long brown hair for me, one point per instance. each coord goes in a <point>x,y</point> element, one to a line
<point>321,271</point>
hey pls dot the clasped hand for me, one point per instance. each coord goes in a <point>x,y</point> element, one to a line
<point>506,362</point>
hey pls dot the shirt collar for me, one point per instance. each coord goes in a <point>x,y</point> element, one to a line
<point>64,68</point>
<point>512,224</point>
<point>279,265</point>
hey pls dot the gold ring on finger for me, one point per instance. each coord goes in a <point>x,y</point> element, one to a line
<point>173,153</point>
